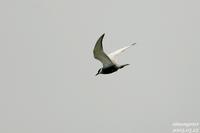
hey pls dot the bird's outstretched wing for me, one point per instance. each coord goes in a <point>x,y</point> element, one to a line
<point>113,55</point>
<point>100,55</point>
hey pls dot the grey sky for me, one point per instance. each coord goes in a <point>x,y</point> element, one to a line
<point>47,67</point>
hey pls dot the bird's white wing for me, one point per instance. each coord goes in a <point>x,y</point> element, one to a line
<point>100,55</point>
<point>113,55</point>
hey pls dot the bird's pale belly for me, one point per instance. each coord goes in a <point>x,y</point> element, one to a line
<point>110,69</point>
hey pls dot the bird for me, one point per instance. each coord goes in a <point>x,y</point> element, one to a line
<point>108,60</point>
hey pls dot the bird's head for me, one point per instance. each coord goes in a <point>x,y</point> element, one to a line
<point>99,71</point>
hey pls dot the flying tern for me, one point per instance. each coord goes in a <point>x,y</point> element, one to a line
<point>108,60</point>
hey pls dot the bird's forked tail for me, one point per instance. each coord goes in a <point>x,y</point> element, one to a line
<point>123,66</point>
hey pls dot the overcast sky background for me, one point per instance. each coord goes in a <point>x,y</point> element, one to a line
<point>47,82</point>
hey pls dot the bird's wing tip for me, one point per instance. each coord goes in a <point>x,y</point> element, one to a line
<point>133,44</point>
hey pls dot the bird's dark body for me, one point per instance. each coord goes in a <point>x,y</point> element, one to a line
<point>109,69</point>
